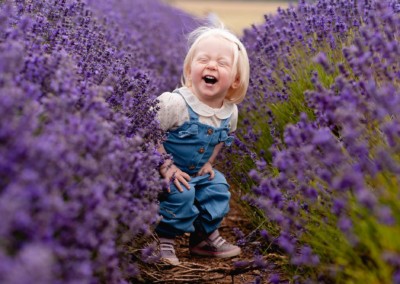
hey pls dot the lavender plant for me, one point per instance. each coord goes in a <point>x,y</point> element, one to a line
<point>78,169</point>
<point>325,163</point>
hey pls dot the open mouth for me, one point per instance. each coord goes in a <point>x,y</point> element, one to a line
<point>210,79</point>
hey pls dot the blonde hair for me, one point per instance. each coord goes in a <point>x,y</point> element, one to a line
<point>240,59</point>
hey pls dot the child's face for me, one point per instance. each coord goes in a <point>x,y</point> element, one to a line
<point>211,72</point>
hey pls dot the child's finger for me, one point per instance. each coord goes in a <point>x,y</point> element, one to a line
<point>186,184</point>
<point>212,175</point>
<point>178,185</point>
<point>186,176</point>
<point>181,179</point>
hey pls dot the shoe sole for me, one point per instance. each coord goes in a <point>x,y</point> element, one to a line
<point>172,262</point>
<point>216,254</point>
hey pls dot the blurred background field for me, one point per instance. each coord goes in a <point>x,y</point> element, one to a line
<point>236,15</point>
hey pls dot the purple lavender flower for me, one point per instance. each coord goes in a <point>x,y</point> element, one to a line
<point>78,169</point>
<point>329,135</point>
<point>274,279</point>
<point>323,61</point>
<point>306,257</point>
<point>396,277</point>
<point>338,206</point>
<point>345,224</point>
<point>286,243</point>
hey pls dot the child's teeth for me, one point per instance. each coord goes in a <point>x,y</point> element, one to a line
<point>210,79</point>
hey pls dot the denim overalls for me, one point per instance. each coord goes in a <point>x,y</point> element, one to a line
<point>203,207</point>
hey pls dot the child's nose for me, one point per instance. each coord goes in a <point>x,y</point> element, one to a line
<point>212,65</point>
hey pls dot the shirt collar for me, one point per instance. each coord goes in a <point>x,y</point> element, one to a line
<point>204,110</point>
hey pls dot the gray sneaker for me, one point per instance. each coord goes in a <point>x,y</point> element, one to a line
<point>167,251</point>
<point>215,246</point>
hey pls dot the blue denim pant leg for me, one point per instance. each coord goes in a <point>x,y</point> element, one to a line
<point>203,206</point>
<point>178,211</point>
<point>212,200</point>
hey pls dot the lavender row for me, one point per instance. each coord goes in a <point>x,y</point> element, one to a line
<point>320,134</point>
<point>78,178</point>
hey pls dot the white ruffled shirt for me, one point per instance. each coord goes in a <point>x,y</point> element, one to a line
<point>174,112</point>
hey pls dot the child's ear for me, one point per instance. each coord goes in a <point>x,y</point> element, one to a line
<point>236,83</point>
<point>188,79</point>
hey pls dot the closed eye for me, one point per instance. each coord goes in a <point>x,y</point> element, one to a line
<point>202,60</point>
<point>223,63</point>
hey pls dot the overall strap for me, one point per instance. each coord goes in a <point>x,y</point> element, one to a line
<point>225,137</point>
<point>225,122</point>
<point>192,115</point>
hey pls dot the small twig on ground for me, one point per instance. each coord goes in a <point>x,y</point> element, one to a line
<point>195,272</point>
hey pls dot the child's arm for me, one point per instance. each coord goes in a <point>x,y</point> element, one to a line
<point>208,167</point>
<point>172,173</point>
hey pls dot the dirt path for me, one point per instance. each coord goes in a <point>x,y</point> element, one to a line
<point>195,269</point>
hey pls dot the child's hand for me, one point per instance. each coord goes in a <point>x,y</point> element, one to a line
<point>173,174</point>
<point>207,169</point>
